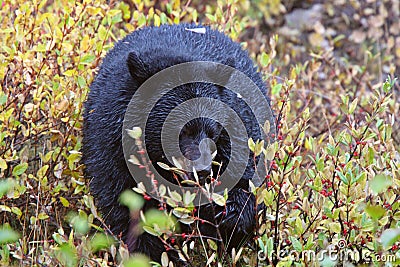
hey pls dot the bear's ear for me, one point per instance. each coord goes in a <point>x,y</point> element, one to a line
<point>138,70</point>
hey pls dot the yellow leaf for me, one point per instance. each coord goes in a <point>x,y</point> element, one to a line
<point>315,39</point>
<point>335,227</point>
<point>3,164</point>
<point>64,202</point>
<point>85,43</point>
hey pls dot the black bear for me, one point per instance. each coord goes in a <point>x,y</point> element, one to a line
<point>128,66</point>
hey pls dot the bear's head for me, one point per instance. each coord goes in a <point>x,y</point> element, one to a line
<point>194,124</point>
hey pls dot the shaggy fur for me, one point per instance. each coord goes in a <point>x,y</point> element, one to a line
<point>134,59</point>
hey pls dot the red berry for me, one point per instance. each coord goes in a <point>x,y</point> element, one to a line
<point>146,197</point>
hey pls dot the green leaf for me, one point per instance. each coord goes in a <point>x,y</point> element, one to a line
<point>67,255</point>
<point>20,169</point>
<point>320,164</point>
<point>343,177</point>
<point>6,186</point>
<point>158,218</point>
<point>135,133</point>
<point>210,17</point>
<point>218,199</point>
<point>259,147</point>
<point>79,222</point>
<point>265,60</point>
<point>103,33</point>
<point>175,196</point>
<point>81,82</point>
<point>8,235</point>
<point>276,89</point>
<point>251,144</point>
<point>306,113</point>
<point>101,241</point>
<point>296,243</point>
<point>380,183</point>
<point>132,200</point>
<point>376,212</point>
<point>64,202</point>
<point>299,225</point>
<point>42,171</point>
<point>3,99</point>
<point>188,198</point>
<point>87,59</point>
<point>359,176</point>
<point>310,243</point>
<point>16,211</point>
<point>212,244</point>
<point>353,106</point>
<point>138,260</point>
<point>150,231</point>
<point>43,216</point>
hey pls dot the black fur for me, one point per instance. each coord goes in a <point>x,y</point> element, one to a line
<point>133,60</point>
